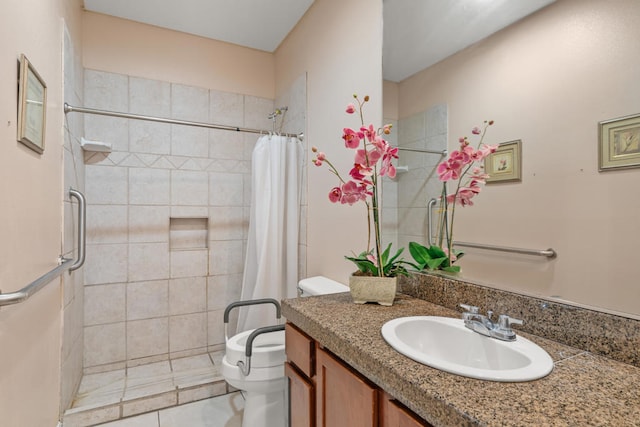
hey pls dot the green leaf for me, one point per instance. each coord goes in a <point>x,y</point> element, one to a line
<point>453,269</point>
<point>364,265</point>
<point>393,260</point>
<point>419,253</point>
<point>436,252</point>
<point>435,263</point>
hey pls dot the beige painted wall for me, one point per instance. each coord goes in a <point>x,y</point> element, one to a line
<point>126,47</point>
<point>391,91</point>
<point>548,81</point>
<point>339,45</point>
<point>31,217</point>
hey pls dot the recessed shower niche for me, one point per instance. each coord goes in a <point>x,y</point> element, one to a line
<point>188,233</point>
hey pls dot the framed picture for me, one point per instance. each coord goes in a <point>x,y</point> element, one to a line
<point>619,143</point>
<point>32,106</point>
<point>505,164</point>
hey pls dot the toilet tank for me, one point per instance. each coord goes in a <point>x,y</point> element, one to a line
<point>320,285</point>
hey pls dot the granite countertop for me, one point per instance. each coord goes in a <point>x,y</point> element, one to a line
<point>582,390</point>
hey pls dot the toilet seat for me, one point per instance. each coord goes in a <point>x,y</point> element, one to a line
<point>268,349</point>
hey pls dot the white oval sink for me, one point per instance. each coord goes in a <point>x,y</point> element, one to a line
<point>446,344</point>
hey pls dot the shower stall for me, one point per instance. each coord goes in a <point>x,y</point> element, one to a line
<point>167,224</point>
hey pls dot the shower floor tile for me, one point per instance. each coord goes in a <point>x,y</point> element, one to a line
<point>107,396</point>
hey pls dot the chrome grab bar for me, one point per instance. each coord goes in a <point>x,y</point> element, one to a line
<point>65,264</point>
<point>549,253</point>
<point>430,205</point>
<point>82,227</point>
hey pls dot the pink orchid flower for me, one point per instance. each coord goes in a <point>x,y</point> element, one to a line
<point>351,109</point>
<point>488,149</point>
<point>371,157</point>
<point>387,168</point>
<point>351,138</point>
<point>335,194</point>
<point>449,169</point>
<point>352,193</point>
<point>359,172</point>
<point>372,258</point>
<point>369,132</point>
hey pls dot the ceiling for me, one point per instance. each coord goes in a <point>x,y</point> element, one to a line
<point>259,24</point>
<point>417,33</point>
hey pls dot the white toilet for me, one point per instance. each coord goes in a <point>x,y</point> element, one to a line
<point>264,385</point>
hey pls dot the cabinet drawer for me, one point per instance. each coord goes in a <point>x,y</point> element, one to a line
<point>300,350</point>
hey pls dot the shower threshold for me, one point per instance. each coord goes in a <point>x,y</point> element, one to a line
<point>113,395</point>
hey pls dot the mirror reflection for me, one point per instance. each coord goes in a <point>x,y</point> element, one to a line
<point>549,80</point>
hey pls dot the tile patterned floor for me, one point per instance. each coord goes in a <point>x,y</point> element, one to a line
<point>113,395</point>
<point>221,411</point>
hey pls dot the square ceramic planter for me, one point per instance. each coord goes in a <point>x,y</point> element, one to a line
<point>381,290</point>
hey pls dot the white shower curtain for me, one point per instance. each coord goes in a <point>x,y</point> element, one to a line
<point>271,264</point>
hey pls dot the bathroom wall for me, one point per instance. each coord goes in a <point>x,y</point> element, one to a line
<point>548,81</point>
<point>126,47</point>
<point>167,218</point>
<point>341,56</point>
<point>31,215</point>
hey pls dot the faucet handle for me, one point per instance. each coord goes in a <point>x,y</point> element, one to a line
<point>470,308</point>
<point>505,322</point>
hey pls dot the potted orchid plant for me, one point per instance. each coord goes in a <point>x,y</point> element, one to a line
<point>463,169</point>
<point>373,159</point>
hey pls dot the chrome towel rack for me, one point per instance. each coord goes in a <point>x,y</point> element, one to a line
<point>549,253</point>
<point>65,264</point>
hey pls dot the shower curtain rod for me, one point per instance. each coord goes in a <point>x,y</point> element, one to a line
<point>71,109</point>
<point>423,150</point>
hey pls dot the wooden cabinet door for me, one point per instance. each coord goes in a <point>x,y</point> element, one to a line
<point>393,414</point>
<point>343,397</point>
<point>300,349</point>
<point>301,398</point>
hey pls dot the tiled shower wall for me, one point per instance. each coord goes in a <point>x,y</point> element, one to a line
<point>294,121</point>
<point>167,219</point>
<point>73,295</point>
<point>426,130</point>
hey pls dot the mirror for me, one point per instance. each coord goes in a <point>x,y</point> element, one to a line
<point>548,80</point>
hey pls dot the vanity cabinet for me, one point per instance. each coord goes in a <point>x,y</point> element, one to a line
<point>326,392</point>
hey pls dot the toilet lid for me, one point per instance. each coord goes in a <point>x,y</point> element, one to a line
<point>268,349</point>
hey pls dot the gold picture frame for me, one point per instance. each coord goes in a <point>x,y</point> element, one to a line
<point>32,106</point>
<point>619,143</point>
<point>505,165</point>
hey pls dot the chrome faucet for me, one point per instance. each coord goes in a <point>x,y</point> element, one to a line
<point>485,326</point>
